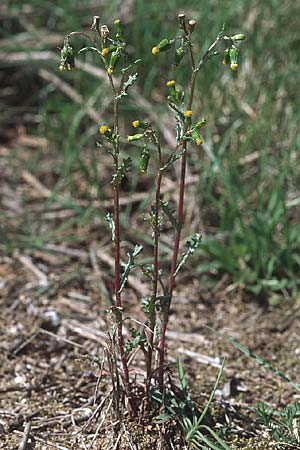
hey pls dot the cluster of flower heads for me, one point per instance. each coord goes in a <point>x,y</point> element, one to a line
<point>181,43</point>
<point>231,54</point>
<point>111,50</point>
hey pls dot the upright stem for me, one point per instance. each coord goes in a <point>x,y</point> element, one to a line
<point>152,316</point>
<point>118,297</point>
<point>165,318</point>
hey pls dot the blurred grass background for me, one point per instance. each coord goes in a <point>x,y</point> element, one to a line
<point>246,201</point>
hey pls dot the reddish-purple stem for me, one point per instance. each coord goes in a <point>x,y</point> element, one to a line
<point>165,318</point>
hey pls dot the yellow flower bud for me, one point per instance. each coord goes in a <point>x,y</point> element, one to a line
<point>110,71</point>
<point>136,123</point>
<point>103,129</point>
<point>105,51</point>
<point>199,141</point>
<point>170,83</point>
<point>117,22</point>
<point>234,66</point>
<point>188,113</point>
<point>155,51</point>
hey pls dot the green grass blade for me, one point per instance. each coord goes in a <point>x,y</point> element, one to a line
<point>260,361</point>
<point>204,412</point>
<point>215,436</point>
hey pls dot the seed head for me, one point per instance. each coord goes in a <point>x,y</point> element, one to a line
<point>192,24</point>
<point>104,31</point>
<point>95,23</point>
<point>181,20</point>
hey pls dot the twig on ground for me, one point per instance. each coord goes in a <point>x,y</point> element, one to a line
<point>214,362</point>
<point>40,189</point>
<point>60,338</point>
<point>27,262</point>
<point>26,436</point>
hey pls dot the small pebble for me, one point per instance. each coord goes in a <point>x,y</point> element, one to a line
<point>50,321</point>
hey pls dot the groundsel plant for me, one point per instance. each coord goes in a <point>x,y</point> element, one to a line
<point>110,46</point>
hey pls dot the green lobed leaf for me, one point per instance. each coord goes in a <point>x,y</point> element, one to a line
<point>165,208</point>
<point>129,82</point>
<point>130,265</point>
<point>109,218</point>
<point>192,245</point>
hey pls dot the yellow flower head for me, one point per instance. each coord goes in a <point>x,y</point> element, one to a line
<point>103,129</point>
<point>110,71</point>
<point>188,113</point>
<point>117,22</point>
<point>170,83</point>
<point>105,51</point>
<point>199,141</point>
<point>62,67</point>
<point>136,123</point>
<point>155,51</point>
<point>234,66</point>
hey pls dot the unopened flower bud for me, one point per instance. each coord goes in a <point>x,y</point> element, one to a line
<point>234,55</point>
<point>114,59</point>
<point>135,137</point>
<point>107,50</point>
<point>163,45</point>
<point>171,86</point>
<point>105,131</point>
<point>197,138</point>
<point>119,28</point>
<point>238,37</point>
<point>179,54</point>
<point>144,160</point>
<point>200,124</point>
<point>140,124</point>
<point>67,57</point>
<point>188,113</point>
<point>170,83</point>
<point>175,95</point>
<point>226,57</point>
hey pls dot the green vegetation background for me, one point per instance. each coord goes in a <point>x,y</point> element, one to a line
<point>249,172</point>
